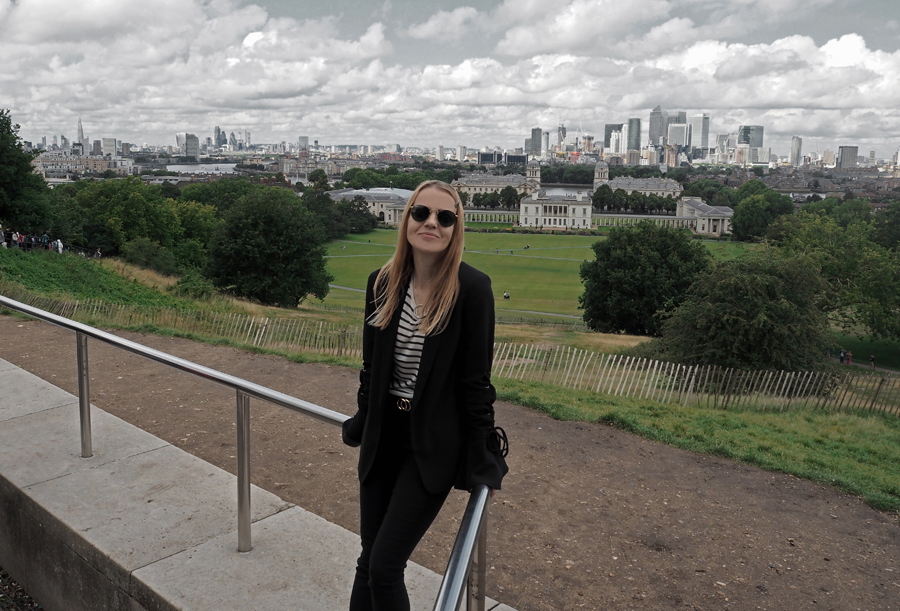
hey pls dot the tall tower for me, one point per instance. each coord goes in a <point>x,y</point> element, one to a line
<point>796,150</point>
<point>634,135</point>
<point>601,174</point>
<point>751,134</point>
<point>700,131</point>
<point>561,136</point>
<point>658,118</point>
<point>536,141</point>
<point>80,132</point>
<point>533,172</point>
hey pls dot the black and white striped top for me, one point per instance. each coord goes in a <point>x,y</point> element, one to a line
<point>407,350</point>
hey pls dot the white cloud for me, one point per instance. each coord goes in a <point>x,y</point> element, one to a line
<point>445,25</point>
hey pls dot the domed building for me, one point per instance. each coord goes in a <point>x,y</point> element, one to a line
<point>655,186</point>
<point>489,183</point>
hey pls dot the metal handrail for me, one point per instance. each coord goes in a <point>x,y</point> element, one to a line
<point>470,539</point>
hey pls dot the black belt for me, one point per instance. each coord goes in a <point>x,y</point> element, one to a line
<point>403,404</point>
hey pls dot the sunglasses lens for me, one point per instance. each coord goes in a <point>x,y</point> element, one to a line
<point>446,218</point>
<point>420,213</point>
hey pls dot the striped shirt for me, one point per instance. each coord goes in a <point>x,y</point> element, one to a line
<point>407,350</point>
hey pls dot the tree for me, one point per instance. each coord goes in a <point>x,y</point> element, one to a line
<point>463,197</point>
<point>356,215</point>
<point>509,197</point>
<point>24,196</point>
<point>757,207</point>
<point>755,312</point>
<point>602,197</point>
<point>270,248</point>
<point>319,179</point>
<point>638,273</point>
<point>886,226</point>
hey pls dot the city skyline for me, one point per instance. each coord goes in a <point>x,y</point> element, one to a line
<point>482,73</point>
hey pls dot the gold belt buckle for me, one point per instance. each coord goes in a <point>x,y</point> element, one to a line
<point>403,404</point>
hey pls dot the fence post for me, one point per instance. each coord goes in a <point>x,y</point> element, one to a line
<point>84,393</point>
<point>243,470</point>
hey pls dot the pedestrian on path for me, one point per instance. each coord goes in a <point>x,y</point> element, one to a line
<point>872,361</point>
<point>849,357</point>
<point>842,355</point>
<point>425,419</point>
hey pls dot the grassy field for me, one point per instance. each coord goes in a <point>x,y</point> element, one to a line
<point>853,452</point>
<point>887,353</point>
<point>542,278</point>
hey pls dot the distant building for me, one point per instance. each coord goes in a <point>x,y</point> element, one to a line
<point>828,158</point>
<point>634,135</point>
<point>489,183</point>
<point>751,135</point>
<point>699,131</point>
<point>711,220</point>
<point>386,204</point>
<point>108,147</point>
<point>661,187</point>
<point>566,211</point>
<point>192,147</point>
<point>658,128</point>
<point>796,159</point>
<point>847,157</point>
<point>608,129</point>
<point>80,138</point>
<point>679,134</point>
<point>461,153</point>
<point>537,140</point>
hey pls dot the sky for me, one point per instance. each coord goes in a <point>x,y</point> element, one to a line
<point>428,72</point>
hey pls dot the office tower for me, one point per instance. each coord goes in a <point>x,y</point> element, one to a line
<point>561,136</point>
<point>97,150</point>
<point>608,129</point>
<point>678,117</point>
<point>658,118</point>
<point>527,147</point>
<point>537,140</point>
<point>126,149</point>
<point>80,132</point>
<point>460,153</point>
<point>828,158</point>
<point>108,147</point>
<point>64,143</point>
<point>679,134</point>
<point>700,131</point>
<point>192,146</point>
<point>232,141</point>
<point>751,135</point>
<point>246,138</point>
<point>439,153</point>
<point>796,151</point>
<point>179,140</point>
<point>847,157</point>
<point>871,157</point>
<point>588,143</point>
<point>633,141</point>
<point>217,135</point>
<point>304,142</point>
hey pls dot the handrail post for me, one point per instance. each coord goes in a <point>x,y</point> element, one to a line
<point>477,578</point>
<point>243,470</point>
<point>84,393</point>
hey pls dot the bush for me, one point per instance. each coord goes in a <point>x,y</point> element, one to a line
<point>194,286</point>
<point>144,253</point>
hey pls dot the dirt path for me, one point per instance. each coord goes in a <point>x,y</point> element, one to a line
<point>589,517</point>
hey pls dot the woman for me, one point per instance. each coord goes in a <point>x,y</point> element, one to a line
<point>425,419</point>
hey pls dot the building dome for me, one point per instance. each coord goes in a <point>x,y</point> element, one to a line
<point>534,162</point>
<point>601,164</point>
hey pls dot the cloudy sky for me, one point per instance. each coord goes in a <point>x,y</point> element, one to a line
<point>427,72</point>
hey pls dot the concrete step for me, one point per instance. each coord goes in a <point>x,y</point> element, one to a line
<point>145,526</point>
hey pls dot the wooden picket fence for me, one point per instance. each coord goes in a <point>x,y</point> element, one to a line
<point>290,335</point>
<point>706,385</point>
<point>611,374</point>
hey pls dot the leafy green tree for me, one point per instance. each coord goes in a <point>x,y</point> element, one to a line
<point>886,226</point>
<point>757,207</point>
<point>509,197</point>
<point>464,197</point>
<point>638,273</point>
<point>320,203</point>
<point>602,197</point>
<point>270,248</point>
<point>356,215</point>
<point>24,196</point>
<point>144,253</point>
<point>319,179</point>
<point>755,312</point>
<point>220,193</point>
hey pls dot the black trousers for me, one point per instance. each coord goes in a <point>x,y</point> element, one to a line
<point>395,512</point>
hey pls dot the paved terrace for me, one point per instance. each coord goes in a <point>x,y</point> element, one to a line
<point>145,526</point>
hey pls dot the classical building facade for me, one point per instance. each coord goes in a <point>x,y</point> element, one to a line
<point>656,186</point>
<point>488,183</point>
<point>386,204</point>
<point>566,211</point>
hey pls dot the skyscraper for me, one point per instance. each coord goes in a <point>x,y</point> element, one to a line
<point>192,146</point>
<point>80,132</point>
<point>751,134</point>
<point>700,131</point>
<point>439,152</point>
<point>461,153</point>
<point>303,142</point>
<point>677,116</point>
<point>847,157</point>
<point>796,151</point>
<point>545,143</point>
<point>658,118</point>
<point>179,140</point>
<point>537,140</point>
<point>608,129</point>
<point>679,134</point>
<point>108,146</point>
<point>561,136</point>
<point>217,136</point>
<point>634,134</point>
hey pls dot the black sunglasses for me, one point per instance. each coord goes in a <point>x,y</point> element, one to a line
<point>420,214</point>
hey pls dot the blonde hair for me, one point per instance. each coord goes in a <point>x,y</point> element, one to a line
<point>393,278</point>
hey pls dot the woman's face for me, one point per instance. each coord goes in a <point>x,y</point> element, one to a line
<point>428,236</point>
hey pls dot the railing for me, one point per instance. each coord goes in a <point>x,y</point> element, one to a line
<point>470,540</point>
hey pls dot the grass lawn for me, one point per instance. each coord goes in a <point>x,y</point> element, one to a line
<point>854,452</point>
<point>542,278</point>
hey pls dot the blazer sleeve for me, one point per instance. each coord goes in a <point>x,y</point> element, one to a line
<point>352,429</point>
<point>483,460</point>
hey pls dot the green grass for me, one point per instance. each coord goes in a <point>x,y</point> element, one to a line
<point>887,353</point>
<point>74,277</point>
<point>856,453</point>
<point>542,278</point>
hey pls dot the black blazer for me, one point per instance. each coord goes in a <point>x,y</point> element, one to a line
<point>452,414</point>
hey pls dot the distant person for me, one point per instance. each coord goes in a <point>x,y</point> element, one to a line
<point>842,355</point>
<point>849,357</point>
<point>97,254</point>
<point>45,241</point>
<point>425,419</point>
<point>872,361</point>
<point>14,239</point>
